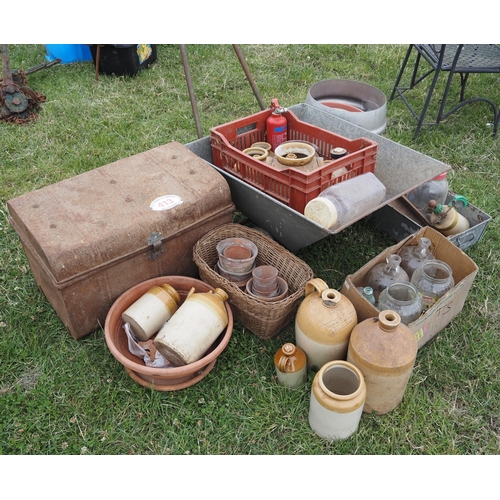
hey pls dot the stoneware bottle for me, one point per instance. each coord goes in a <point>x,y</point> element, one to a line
<point>338,396</point>
<point>291,365</point>
<point>323,323</point>
<point>385,351</point>
<point>148,313</point>
<point>186,337</point>
<point>446,219</point>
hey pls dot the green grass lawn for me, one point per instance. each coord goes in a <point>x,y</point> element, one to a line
<point>59,396</point>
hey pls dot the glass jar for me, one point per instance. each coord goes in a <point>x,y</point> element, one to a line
<point>402,298</point>
<point>432,280</point>
<point>386,273</point>
<point>414,256</point>
<point>435,189</point>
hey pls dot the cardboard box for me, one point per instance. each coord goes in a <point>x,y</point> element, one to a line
<point>445,309</point>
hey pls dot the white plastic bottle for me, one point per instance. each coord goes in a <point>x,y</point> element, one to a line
<point>343,202</point>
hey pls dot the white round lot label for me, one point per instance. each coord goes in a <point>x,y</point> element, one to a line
<point>165,202</point>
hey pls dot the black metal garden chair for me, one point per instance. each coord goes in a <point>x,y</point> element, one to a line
<point>463,59</point>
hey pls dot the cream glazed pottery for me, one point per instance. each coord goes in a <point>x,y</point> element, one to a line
<point>384,349</point>
<point>194,327</point>
<point>290,365</point>
<point>148,313</point>
<point>323,323</point>
<point>338,396</point>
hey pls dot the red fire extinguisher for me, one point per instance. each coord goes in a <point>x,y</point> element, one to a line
<point>276,125</point>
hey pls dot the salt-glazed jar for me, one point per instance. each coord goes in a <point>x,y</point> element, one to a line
<point>338,395</point>
<point>446,218</point>
<point>323,323</point>
<point>383,274</point>
<point>150,311</point>
<point>402,298</point>
<point>194,327</point>
<point>413,256</point>
<point>432,280</point>
<point>290,365</point>
<point>385,351</point>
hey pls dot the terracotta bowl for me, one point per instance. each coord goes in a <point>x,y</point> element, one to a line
<point>161,379</point>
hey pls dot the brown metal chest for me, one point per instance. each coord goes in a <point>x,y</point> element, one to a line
<point>91,237</point>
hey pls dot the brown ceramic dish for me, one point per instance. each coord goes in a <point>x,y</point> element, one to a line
<point>161,379</point>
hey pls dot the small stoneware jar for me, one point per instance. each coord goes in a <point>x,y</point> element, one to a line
<point>338,396</point>
<point>186,337</point>
<point>385,351</point>
<point>148,313</point>
<point>290,364</point>
<point>323,323</point>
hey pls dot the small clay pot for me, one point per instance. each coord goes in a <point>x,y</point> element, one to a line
<point>280,295</point>
<point>265,281</point>
<point>239,279</point>
<point>237,255</point>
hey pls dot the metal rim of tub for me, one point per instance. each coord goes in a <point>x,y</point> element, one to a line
<point>346,98</point>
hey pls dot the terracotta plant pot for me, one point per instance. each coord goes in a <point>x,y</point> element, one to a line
<point>161,379</point>
<point>237,255</point>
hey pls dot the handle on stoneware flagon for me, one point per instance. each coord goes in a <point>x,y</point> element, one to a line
<point>459,197</point>
<point>190,292</point>
<point>315,284</point>
<point>282,363</point>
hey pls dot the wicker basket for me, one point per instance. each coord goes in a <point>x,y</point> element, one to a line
<point>264,319</point>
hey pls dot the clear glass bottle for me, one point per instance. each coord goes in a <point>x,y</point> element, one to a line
<point>435,189</point>
<point>432,280</point>
<point>402,298</point>
<point>367,293</point>
<point>341,203</point>
<point>386,273</point>
<point>413,256</point>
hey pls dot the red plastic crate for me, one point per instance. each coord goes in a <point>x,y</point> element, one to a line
<point>293,186</point>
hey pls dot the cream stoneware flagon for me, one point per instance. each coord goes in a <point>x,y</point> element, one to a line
<point>323,323</point>
<point>193,328</point>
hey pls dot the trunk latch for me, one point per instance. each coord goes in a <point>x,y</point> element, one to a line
<point>154,240</point>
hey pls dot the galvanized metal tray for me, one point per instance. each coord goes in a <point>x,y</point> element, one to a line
<point>398,167</point>
<point>399,222</point>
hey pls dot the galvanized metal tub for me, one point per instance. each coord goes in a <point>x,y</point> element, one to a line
<point>292,229</point>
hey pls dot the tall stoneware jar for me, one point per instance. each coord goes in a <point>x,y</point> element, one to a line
<point>193,328</point>
<point>290,365</point>
<point>323,323</point>
<point>384,349</point>
<point>338,395</point>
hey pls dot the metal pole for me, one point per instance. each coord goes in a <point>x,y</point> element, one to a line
<point>97,57</point>
<point>190,90</point>
<point>249,76</point>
